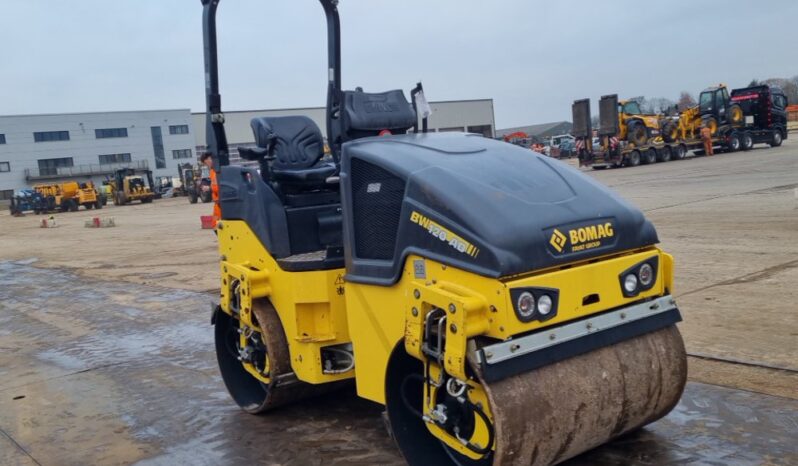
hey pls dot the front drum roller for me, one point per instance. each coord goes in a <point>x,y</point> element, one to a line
<point>251,394</point>
<point>556,412</point>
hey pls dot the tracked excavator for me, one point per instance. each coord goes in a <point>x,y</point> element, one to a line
<point>503,307</point>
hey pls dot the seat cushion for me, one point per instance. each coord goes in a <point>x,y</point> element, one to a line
<point>313,175</point>
<point>294,141</point>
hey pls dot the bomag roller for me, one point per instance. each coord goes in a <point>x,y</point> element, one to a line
<point>503,307</point>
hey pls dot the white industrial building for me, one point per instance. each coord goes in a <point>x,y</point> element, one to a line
<point>51,148</point>
<point>473,116</point>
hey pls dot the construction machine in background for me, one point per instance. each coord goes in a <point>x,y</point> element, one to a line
<point>128,185</point>
<point>609,148</point>
<point>68,196</point>
<point>639,128</point>
<point>716,111</point>
<point>196,182</point>
<point>502,306</point>
<point>726,119</point>
<point>26,200</point>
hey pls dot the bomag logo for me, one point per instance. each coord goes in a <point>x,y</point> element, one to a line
<point>582,238</point>
<point>443,234</point>
<point>557,240</point>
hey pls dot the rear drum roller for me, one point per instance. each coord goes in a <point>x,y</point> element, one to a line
<point>556,412</point>
<point>270,350</point>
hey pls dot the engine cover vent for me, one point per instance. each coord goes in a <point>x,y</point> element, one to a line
<point>377,196</point>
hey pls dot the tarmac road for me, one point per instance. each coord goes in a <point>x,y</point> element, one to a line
<point>98,372</point>
<point>106,354</point>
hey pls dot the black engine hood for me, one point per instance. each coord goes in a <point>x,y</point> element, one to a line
<point>485,206</point>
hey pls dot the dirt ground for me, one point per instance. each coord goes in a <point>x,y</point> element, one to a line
<point>141,383</point>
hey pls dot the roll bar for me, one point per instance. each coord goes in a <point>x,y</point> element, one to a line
<point>215,137</point>
<point>334,74</point>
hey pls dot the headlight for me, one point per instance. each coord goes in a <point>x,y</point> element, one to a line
<point>526,304</point>
<point>630,283</point>
<point>532,304</point>
<point>544,305</point>
<point>646,274</point>
<point>640,277</point>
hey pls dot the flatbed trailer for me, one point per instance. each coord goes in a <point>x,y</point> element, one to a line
<point>607,150</point>
<point>613,153</point>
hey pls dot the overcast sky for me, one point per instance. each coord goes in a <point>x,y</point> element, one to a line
<point>532,57</point>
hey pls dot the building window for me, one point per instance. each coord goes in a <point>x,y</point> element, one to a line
<point>6,194</point>
<point>178,129</point>
<point>451,130</point>
<point>47,136</point>
<point>2,138</point>
<point>110,133</point>
<point>51,166</point>
<point>157,147</point>
<point>106,159</point>
<point>5,167</point>
<point>181,154</point>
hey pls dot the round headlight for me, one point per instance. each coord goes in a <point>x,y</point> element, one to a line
<point>630,283</point>
<point>646,274</point>
<point>526,304</point>
<point>544,305</point>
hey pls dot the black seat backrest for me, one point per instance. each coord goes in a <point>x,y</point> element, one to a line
<point>294,141</point>
<point>365,114</point>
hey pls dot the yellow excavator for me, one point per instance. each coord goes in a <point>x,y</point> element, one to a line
<point>502,306</point>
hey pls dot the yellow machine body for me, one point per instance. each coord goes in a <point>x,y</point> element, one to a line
<point>318,309</point>
<point>69,194</point>
<point>310,305</point>
<point>628,112</point>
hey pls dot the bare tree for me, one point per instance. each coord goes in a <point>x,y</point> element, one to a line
<point>789,86</point>
<point>686,100</point>
<point>659,105</point>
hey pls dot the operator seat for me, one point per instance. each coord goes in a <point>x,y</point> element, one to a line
<point>365,114</point>
<point>294,146</point>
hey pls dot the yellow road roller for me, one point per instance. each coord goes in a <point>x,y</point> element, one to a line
<point>503,307</point>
